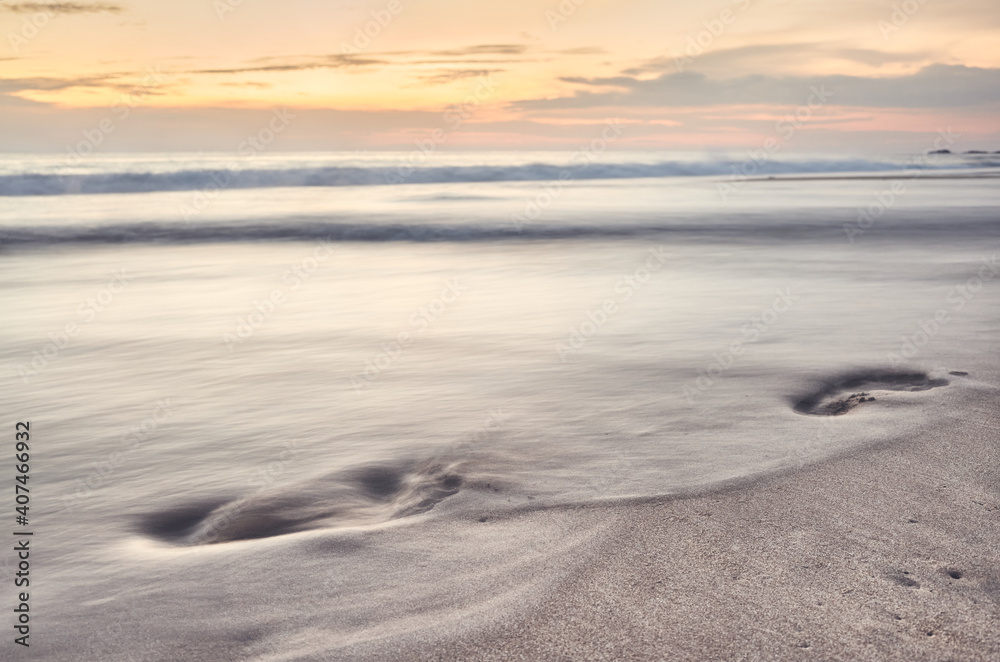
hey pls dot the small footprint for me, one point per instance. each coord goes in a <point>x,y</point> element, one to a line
<point>903,580</point>
<point>830,398</point>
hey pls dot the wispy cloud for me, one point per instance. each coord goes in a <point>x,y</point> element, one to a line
<point>764,57</point>
<point>583,50</point>
<point>337,61</point>
<point>453,75</point>
<point>934,86</point>
<point>121,82</point>
<point>51,83</point>
<point>483,49</point>
<point>876,58</point>
<point>62,7</point>
<point>470,55</point>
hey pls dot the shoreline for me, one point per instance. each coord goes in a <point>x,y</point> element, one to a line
<point>900,174</point>
<point>882,553</point>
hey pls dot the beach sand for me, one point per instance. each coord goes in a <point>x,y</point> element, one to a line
<point>889,552</point>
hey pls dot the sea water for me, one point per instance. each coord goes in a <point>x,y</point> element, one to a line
<point>216,356</point>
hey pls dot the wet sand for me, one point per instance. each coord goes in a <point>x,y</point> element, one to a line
<point>885,550</point>
<point>888,553</point>
<point>905,174</point>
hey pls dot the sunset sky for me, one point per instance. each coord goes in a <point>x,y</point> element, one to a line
<point>520,74</point>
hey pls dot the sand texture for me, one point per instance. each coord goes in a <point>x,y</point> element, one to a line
<point>891,552</point>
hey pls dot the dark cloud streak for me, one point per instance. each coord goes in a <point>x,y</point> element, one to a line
<point>934,86</point>
<point>483,49</point>
<point>326,62</point>
<point>62,8</point>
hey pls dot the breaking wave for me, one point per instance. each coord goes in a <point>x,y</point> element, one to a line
<point>196,176</point>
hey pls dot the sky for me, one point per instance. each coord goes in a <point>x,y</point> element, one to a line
<point>201,75</point>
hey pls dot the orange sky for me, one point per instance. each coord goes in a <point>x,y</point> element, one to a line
<point>380,73</point>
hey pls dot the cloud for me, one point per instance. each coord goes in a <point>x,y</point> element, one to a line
<point>62,8</point>
<point>479,54</point>
<point>483,49</point>
<point>759,57</point>
<point>117,81</point>
<point>449,76</point>
<point>876,58</point>
<point>934,86</point>
<point>583,50</point>
<point>50,83</point>
<point>469,55</point>
<point>450,61</point>
<point>339,61</point>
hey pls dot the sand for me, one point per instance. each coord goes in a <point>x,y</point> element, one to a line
<point>882,550</point>
<point>887,553</point>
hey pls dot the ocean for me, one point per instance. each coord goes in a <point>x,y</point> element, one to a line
<point>258,386</point>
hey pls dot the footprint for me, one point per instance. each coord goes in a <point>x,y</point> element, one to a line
<point>357,497</point>
<point>861,387</point>
<point>904,580</point>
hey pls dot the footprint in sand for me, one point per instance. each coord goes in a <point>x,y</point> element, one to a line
<point>357,497</point>
<point>842,394</point>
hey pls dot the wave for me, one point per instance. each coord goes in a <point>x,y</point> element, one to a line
<point>978,223</point>
<point>176,233</point>
<point>196,178</point>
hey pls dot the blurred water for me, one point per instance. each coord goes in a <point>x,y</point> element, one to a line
<point>184,390</point>
<point>556,358</point>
